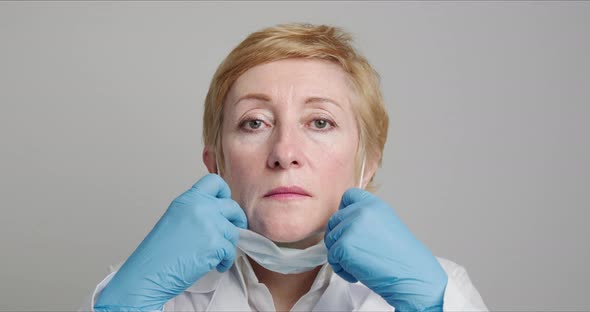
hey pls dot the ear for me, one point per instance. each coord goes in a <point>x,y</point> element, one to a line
<point>209,159</point>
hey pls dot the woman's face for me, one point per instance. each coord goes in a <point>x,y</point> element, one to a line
<point>290,124</point>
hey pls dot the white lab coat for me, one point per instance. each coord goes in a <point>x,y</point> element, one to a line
<point>224,292</point>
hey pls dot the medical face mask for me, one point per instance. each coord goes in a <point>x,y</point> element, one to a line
<point>282,259</point>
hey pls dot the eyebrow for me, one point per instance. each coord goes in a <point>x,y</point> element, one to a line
<point>265,98</point>
<point>253,96</point>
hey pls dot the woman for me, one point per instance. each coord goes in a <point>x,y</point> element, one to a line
<point>294,127</point>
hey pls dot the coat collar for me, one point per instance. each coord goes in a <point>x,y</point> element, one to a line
<point>336,297</point>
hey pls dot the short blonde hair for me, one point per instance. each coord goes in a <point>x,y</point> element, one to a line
<point>298,40</point>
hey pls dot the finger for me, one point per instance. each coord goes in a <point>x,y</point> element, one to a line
<point>335,255</point>
<point>353,195</point>
<point>345,275</point>
<point>332,236</point>
<point>213,185</point>
<point>343,214</point>
<point>231,233</point>
<point>227,254</point>
<point>233,213</point>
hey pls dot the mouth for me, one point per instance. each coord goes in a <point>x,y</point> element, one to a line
<point>287,193</point>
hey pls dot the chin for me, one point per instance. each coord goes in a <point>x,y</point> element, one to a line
<point>296,223</point>
<point>287,232</point>
<point>288,236</point>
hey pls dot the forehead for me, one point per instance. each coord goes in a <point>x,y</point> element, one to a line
<point>294,77</point>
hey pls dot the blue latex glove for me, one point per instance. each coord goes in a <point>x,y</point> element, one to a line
<point>197,233</point>
<point>367,242</point>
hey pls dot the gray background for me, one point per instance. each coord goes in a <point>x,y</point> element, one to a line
<point>487,159</point>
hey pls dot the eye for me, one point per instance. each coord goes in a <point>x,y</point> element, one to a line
<point>251,125</point>
<point>322,123</point>
<point>254,124</point>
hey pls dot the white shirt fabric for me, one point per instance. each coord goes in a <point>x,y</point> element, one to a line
<point>259,297</point>
<point>238,289</point>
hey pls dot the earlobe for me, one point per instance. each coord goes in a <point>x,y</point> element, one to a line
<point>209,159</point>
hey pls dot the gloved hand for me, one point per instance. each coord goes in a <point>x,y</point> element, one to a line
<point>197,233</point>
<point>367,242</point>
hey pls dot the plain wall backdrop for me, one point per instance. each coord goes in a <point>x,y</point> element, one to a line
<point>487,159</point>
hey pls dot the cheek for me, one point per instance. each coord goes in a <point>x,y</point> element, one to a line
<point>337,173</point>
<point>333,158</point>
<point>334,173</point>
<point>244,165</point>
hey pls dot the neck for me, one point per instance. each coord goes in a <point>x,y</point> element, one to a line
<point>285,289</point>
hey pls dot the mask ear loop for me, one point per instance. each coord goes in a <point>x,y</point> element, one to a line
<point>217,164</point>
<point>362,173</point>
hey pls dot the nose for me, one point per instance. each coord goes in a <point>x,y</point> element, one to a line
<point>286,150</point>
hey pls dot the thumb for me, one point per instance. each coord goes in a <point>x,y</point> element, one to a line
<point>353,195</point>
<point>214,185</point>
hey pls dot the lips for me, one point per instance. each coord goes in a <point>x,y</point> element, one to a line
<point>287,191</point>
